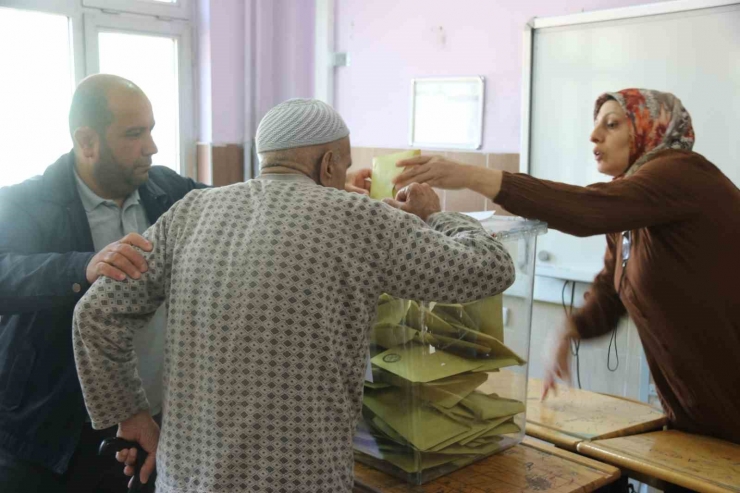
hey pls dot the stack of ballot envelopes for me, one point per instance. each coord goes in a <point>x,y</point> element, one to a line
<point>423,407</point>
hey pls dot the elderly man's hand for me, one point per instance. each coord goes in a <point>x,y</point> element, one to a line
<point>119,259</point>
<point>359,181</point>
<point>418,199</point>
<point>140,428</point>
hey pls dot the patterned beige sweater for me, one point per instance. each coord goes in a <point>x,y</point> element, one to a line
<point>271,287</point>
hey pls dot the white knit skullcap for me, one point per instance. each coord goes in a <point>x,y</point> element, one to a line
<point>299,123</point>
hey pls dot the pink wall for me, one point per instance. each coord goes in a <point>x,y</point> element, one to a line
<point>283,52</point>
<point>227,70</point>
<point>390,42</point>
<point>294,48</point>
<point>252,54</point>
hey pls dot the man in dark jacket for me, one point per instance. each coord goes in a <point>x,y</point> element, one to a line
<point>97,198</point>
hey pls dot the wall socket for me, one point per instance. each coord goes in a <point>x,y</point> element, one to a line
<point>341,59</point>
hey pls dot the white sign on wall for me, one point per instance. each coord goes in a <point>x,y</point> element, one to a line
<point>447,112</point>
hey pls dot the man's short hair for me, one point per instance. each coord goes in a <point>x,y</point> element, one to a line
<point>90,106</point>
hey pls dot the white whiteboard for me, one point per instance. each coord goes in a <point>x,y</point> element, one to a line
<point>447,112</point>
<point>694,54</point>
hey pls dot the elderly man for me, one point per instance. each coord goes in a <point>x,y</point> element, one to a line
<point>58,233</point>
<point>271,287</point>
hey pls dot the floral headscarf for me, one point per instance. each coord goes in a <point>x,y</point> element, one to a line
<point>659,122</point>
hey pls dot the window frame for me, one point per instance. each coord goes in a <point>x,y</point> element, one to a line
<point>181,9</point>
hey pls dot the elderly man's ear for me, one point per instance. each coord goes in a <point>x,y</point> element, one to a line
<point>330,174</point>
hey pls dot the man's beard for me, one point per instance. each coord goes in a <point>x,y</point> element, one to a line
<point>115,179</point>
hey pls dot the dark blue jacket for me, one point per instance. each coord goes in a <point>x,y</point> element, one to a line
<point>45,246</point>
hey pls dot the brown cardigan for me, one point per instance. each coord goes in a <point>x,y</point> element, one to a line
<point>682,282</point>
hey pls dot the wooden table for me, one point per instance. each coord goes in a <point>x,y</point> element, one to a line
<point>530,466</point>
<point>692,461</point>
<point>577,415</point>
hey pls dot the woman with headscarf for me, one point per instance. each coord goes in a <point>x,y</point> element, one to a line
<point>672,224</point>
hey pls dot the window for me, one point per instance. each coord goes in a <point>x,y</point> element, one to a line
<point>35,95</point>
<point>156,74</point>
<point>155,55</point>
<point>50,45</point>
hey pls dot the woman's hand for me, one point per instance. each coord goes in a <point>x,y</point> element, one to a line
<point>436,171</point>
<point>558,362</point>
<point>439,172</point>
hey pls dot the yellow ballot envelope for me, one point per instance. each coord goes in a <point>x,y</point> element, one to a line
<point>385,170</point>
<point>487,316</point>
<point>422,363</point>
<point>392,311</point>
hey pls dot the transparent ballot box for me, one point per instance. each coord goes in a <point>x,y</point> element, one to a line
<point>447,383</point>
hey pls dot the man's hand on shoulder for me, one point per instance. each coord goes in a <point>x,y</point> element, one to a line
<point>120,259</point>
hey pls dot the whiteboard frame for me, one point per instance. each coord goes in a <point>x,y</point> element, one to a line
<point>589,18</point>
<point>630,12</point>
<point>528,45</point>
<point>481,111</point>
